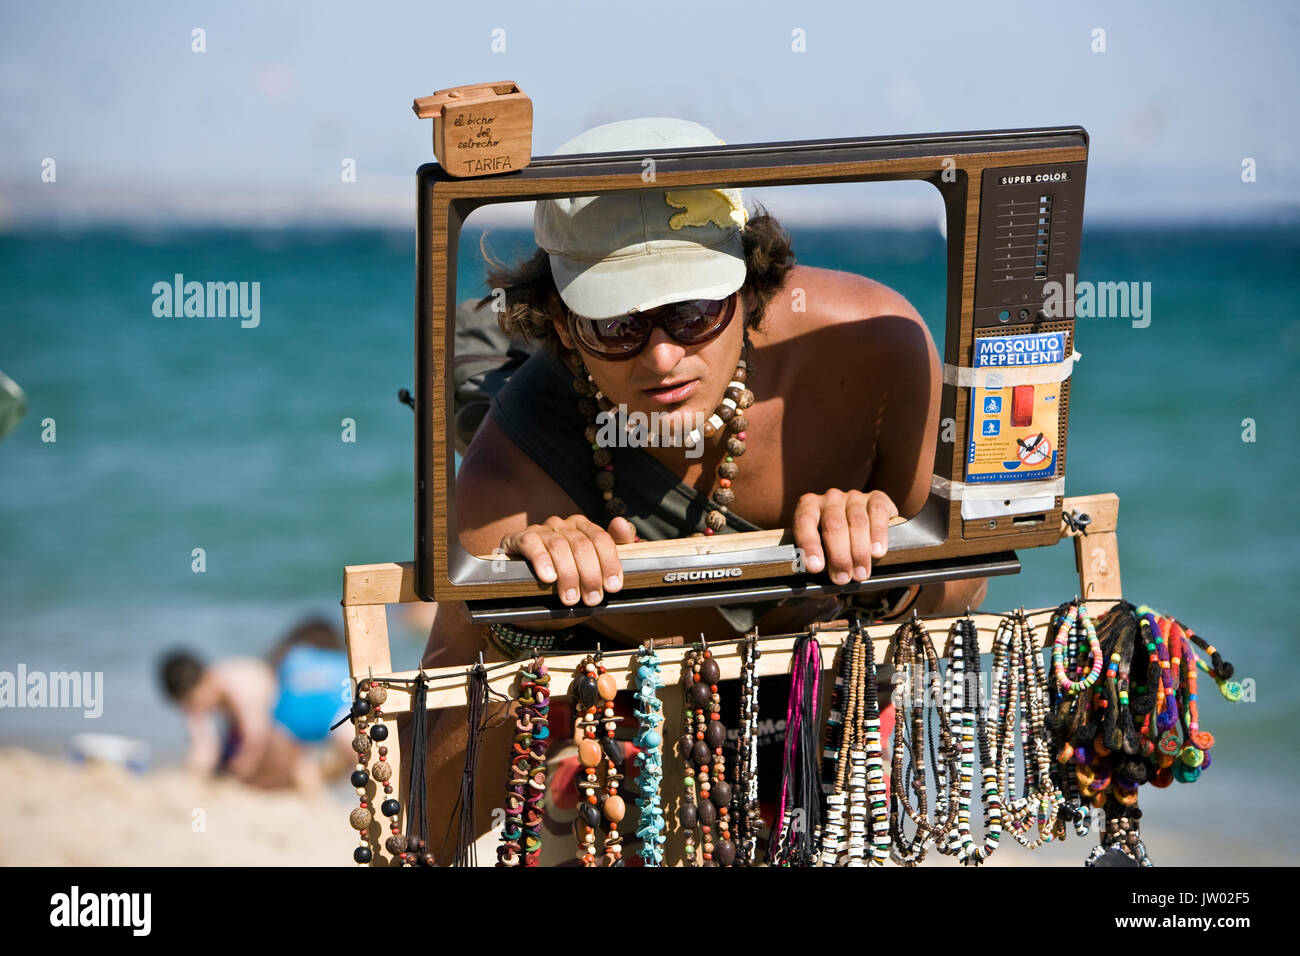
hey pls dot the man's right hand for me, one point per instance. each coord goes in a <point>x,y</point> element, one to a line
<point>576,554</point>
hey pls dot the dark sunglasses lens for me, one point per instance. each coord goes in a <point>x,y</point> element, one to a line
<point>694,322</point>
<point>613,337</point>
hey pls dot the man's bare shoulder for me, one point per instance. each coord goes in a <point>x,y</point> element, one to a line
<point>814,298</point>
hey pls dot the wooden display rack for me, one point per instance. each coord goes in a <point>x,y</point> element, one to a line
<point>369,588</point>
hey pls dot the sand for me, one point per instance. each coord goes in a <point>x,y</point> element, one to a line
<point>103,815</point>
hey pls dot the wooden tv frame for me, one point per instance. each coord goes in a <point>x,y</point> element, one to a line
<point>974,172</point>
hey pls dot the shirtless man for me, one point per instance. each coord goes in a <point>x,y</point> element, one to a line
<point>840,437</point>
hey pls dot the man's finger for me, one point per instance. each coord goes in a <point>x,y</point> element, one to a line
<point>529,546</point>
<point>587,561</point>
<point>566,569</point>
<point>807,537</point>
<point>881,509</point>
<point>611,569</point>
<point>859,536</point>
<point>622,530</point>
<point>835,538</point>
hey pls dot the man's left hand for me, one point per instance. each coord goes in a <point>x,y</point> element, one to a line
<point>842,531</point>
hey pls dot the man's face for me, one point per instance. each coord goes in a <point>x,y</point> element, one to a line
<point>684,384</point>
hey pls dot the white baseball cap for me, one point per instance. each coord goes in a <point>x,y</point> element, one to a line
<point>619,252</point>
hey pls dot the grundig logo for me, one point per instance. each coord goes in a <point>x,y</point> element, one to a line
<point>712,574</point>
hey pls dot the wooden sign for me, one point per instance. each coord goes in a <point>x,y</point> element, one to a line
<point>480,130</point>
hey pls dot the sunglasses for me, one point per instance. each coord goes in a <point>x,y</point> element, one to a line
<point>622,337</point>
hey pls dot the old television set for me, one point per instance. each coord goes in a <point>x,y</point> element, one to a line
<point>1012,205</point>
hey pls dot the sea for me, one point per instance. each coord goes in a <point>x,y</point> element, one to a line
<point>189,481</point>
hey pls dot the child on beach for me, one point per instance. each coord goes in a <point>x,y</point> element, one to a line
<point>269,711</point>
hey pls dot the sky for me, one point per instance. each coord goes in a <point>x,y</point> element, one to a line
<point>254,130</point>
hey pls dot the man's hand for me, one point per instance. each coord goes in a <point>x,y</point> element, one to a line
<point>842,531</point>
<point>576,554</point>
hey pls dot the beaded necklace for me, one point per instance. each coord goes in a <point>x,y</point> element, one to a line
<point>521,839</point>
<point>746,812</point>
<point>366,708</point>
<point>706,784</point>
<point>594,693</point>
<point>727,416</point>
<point>915,658</point>
<point>649,715</point>
<point>971,714</point>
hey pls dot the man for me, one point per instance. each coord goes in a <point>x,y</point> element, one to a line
<point>649,302</point>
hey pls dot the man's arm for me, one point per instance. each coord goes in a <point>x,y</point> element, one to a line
<point>905,449</point>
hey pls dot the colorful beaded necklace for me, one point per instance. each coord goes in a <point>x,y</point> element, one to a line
<point>594,692</point>
<point>649,715</point>
<point>521,839</point>
<point>727,416</point>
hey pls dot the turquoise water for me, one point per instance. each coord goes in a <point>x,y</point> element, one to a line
<point>183,433</point>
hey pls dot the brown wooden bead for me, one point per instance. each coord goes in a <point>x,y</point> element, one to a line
<point>725,412</point>
<point>360,818</point>
<point>708,430</point>
<point>716,520</point>
<point>728,470</point>
<point>741,375</point>
<point>605,480</point>
<point>616,507</point>
<point>591,434</point>
<point>733,393</point>
<point>738,424</point>
<point>587,407</point>
<point>376,695</point>
<point>725,497</point>
<point>614,808</point>
<point>709,670</point>
<point>361,744</point>
<point>382,771</point>
<point>601,457</point>
<point>746,399</point>
<point>735,447</point>
<point>589,753</point>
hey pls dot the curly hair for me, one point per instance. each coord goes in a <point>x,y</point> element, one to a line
<point>533,303</point>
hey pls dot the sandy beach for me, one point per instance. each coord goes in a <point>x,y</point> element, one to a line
<point>103,815</point>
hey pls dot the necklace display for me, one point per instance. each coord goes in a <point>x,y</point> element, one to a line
<point>746,814</point>
<point>918,663</point>
<point>707,790</point>
<point>970,713</point>
<point>798,817</point>
<point>859,777</point>
<point>368,719</point>
<point>1022,701</point>
<point>594,692</point>
<point>521,839</point>
<point>649,715</point>
<point>728,415</point>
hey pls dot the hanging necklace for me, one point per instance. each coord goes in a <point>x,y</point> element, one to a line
<point>593,707</point>
<point>649,715</point>
<point>728,415</point>
<point>747,816</point>
<point>972,715</point>
<point>706,785</point>
<point>798,816</point>
<point>368,719</point>
<point>521,839</point>
<point>915,658</point>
